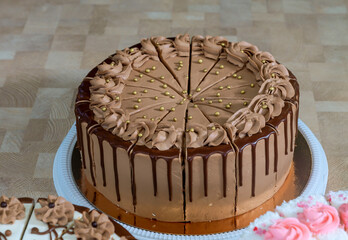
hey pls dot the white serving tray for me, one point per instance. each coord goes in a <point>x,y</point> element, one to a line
<point>66,186</point>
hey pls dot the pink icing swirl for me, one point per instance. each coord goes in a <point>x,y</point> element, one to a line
<point>288,229</point>
<point>238,53</point>
<point>343,211</point>
<point>320,218</point>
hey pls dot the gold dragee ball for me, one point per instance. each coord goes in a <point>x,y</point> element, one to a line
<point>205,70</point>
<point>140,135</point>
<point>103,109</point>
<point>167,93</point>
<point>210,101</point>
<point>228,87</point>
<point>218,94</point>
<point>147,70</point>
<point>156,98</point>
<point>139,100</point>
<point>189,117</point>
<point>164,85</point>
<point>181,65</point>
<point>175,119</point>
<point>221,66</point>
<point>180,62</point>
<point>195,105</point>
<point>153,67</point>
<point>264,106</point>
<point>184,91</point>
<point>213,128</point>
<point>179,68</point>
<point>141,75</point>
<point>136,106</point>
<point>221,87</point>
<point>127,121</point>
<point>134,92</point>
<point>202,99</point>
<point>217,72</point>
<point>145,91</point>
<point>152,81</point>
<point>162,77</point>
<point>200,60</point>
<point>239,77</point>
<point>144,116</point>
<point>242,92</point>
<point>220,100</point>
<point>198,89</point>
<point>192,130</point>
<point>271,88</point>
<point>252,85</point>
<point>161,109</point>
<point>152,119</point>
<point>217,114</point>
<point>135,79</point>
<point>172,109</point>
<point>172,96</point>
<point>273,75</point>
<point>131,50</point>
<point>245,103</point>
<point>234,75</point>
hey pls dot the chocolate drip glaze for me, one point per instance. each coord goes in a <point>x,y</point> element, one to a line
<point>242,143</point>
<point>80,142</point>
<point>134,189</point>
<point>102,161</point>
<point>90,159</point>
<point>205,153</point>
<point>291,131</point>
<point>2,236</point>
<point>155,155</point>
<point>267,156</point>
<point>52,230</point>
<point>114,158</point>
<point>286,135</point>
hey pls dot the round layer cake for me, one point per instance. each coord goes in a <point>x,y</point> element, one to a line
<point>180,129</point>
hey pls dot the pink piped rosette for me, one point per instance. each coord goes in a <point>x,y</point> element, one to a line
<point>305,218</point>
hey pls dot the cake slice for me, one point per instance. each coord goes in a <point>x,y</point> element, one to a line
<point>14,215</point>
<point>56,218</point>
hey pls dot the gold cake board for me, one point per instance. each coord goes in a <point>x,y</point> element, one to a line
<point>292,188</point>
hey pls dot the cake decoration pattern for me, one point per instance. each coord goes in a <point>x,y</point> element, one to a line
<point>185,108</point>
<point>308,217</point>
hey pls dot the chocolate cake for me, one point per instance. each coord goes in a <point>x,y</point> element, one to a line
<point>180,129</point>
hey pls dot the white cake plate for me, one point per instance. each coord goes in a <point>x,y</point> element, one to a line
<point>66,186</point>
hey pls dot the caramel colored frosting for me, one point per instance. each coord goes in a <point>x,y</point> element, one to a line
<point>94,225</point>
<point>11,209</point>
<point>55,211</point>
<point>205,92</point>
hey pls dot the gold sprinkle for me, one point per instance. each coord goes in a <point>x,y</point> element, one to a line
<point>141,75</point>
<point>189,117</point>
<point>135,79</point>
<point>167,93</point>
<point>172,96</point>
<point>161,108</point>
<point>234,75</point>
<point>242,51</point>
<point>152,80</point>
<point>192,129</point>
<point>134,92</point>
<point>195,105</point>
<point>230,103</point>
<point>242,92</point>
<point>112,63</point>
<point>117,98</point>
<point>147,70</point>
<point>140,135</point>
<point>180,62</point>
<point>220,100</point>
<point>144,116</point>
<point>145,91</point>
<point>179,68</point>
<point>184,99</point>
<point>181,103</point>
<point>156,98</point>
<point>273,75</point>
<point>181,65</point>
<point>205,70</point>
<point>218,94</point>
<point>217,72</point>
<point>107,80</point>
<point>271,88</point>
<point>136,106</point>
<point>127,121</point>
<point>213,128</point>
<point>198,89</point>
<point>210,101</point>
<point>221,66</point>
<point>223,44</point>
<point>228,87</point>
<point>239,77</point>
<point>152,119</point>
<point>217,114</point>
<point>264,106</point>
<point>175,119</point>
<point>200,60</point>
<point>139,100</point>
<point>162,77</point>
<point>263,61</point>
<point>172,109</point>
<point>190,95</point>
<point>221,87</point>
<point>252,85</point>
<point>153,67</point>
<point>202,99</point>
<point>164,85</point>
<point>131,50</point>
<point>103,109</point>
<point>245,103</point>
<point>228,106</point>
<point>184,92</point>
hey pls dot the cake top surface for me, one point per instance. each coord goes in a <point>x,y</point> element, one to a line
<point>206,91</point>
